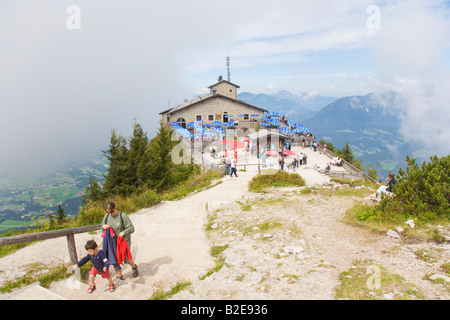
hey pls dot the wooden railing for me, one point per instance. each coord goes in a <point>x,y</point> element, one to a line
<point>69,233</point>
<point>348,166</point>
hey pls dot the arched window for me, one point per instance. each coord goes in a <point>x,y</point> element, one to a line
<point>182,122</point>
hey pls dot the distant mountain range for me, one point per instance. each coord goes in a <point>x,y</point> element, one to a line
<point>297,107</point>
<point>371,124</point>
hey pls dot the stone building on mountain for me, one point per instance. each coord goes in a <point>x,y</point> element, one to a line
<point>220,104</point>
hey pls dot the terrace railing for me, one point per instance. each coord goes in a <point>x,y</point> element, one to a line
<point>348,166</point>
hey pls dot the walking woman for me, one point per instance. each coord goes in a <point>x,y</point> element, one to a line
<point>122,227</point>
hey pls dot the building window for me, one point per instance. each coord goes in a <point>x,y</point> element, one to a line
<point>246,116</point>
<point>225,117</point>
<point>198,117</point>
<point>211,117</point>
<point>182,122</point>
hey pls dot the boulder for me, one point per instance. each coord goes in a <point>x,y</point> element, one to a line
<point>293,249</point>
<point>400,230</point>
<point>410,223</point>
<point>393,234</point>
<point>235,262</point>
<point>440,276</point>
<point>389,296</point>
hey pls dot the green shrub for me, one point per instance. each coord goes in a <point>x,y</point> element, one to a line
<point>367,213</point>
<point>217,250</point>
<point>93,212</point>
<point>422,192</point>
<point>161,295</point>
<point>196,182</point>
<point>279,179</point>
<point>36,272</point>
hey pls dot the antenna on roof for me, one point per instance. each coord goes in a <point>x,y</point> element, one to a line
<point>228,69</point>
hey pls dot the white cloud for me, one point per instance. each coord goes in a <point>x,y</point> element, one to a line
<point>267,32</point>
<point>62,91</point>
<point>409,51</point>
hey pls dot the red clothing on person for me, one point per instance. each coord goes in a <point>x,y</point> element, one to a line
<point>105,274</point>
<point>123,251</point>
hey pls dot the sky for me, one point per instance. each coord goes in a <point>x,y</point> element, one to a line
<point>70,71</point>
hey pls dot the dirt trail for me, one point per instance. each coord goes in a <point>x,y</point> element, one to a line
<point>173,233</point>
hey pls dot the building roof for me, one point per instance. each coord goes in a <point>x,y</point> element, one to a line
<point>222,81</point>
<point>207,97</point>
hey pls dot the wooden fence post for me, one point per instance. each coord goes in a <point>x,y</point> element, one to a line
<point>69,233</point>
<point>72,249</point>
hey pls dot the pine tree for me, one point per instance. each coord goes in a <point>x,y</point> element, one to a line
<point>93,191</point>
<point>157,163</point>
<point>51,219</point>
<point>60,217</point>
<point>371,171</point>
<point>138,143</point>
<point>329,144</point>
<point>423,191</point>
<point>346,153</point>
<point>115,179</point>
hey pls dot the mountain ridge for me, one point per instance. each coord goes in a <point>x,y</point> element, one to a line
<point>296,106</point>
<point>371,124</point>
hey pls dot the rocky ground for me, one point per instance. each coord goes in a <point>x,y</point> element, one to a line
<point>289,244</point>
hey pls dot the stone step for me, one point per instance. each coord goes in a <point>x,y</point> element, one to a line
<point>134,291</point>
<point>34,292</point>
<point>73,289</point>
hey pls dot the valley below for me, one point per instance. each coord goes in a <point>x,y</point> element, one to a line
<point>26,199</point>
